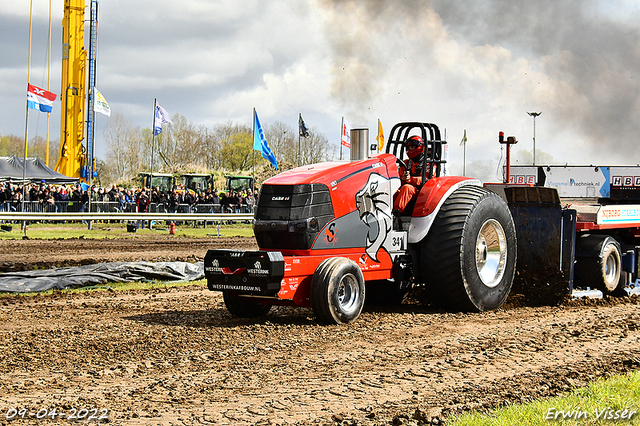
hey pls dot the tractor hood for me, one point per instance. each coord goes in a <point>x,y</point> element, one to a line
<point>295,206</point>
<point>328,172</point>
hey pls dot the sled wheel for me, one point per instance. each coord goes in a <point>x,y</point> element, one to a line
<point>244,307</point>
<point>469,255</point>
<point>337,291</point>
<point>599,264</point>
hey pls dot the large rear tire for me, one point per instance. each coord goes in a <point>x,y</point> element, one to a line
<point>469,255</point>
<point>599,264</point>
<point>244,307</point>
<point>337,291</point>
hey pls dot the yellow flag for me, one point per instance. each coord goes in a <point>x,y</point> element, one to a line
<point>380,137</point>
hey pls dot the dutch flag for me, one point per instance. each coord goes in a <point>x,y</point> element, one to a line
<point>39,99</point>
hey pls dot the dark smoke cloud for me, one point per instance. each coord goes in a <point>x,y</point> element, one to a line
<point>351,30</point>
<point>592,62</point>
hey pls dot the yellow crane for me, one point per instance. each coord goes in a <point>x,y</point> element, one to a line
<point>72,152</point>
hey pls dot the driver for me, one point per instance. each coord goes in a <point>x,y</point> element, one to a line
<point>411,177</point>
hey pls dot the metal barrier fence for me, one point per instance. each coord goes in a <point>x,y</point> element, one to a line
<point>116,207</point>
<point>124,217</point>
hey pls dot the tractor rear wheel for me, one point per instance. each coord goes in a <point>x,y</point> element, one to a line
<point>337,291</point>
<point>469,255</point>
<point>244,307</point>
<point>599,264</point>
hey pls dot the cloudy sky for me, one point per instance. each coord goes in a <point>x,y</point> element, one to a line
<point>469,64</point>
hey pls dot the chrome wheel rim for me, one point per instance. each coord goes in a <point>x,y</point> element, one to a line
<point>348,293</point>
<point>611,270</point>
<point>491,253</point>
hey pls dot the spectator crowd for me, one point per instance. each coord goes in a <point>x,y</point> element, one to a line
<point>43,197</point>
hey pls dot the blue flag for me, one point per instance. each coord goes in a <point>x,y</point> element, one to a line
<point>260,142</point>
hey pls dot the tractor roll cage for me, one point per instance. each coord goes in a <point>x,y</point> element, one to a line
<point>433,149</point>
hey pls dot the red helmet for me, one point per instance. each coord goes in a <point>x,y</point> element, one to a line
<point>414,146</point>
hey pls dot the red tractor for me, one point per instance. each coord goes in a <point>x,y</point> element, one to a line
<point>328,238</point>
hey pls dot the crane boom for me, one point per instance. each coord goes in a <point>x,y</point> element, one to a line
<point>72,155</point>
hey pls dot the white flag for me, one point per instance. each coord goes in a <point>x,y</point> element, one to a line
<point>345,139</point>
<point>162,116</point>
<point>100,103</point>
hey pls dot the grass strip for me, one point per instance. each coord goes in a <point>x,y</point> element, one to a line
<point>614,400</point>
<point>49,231</point>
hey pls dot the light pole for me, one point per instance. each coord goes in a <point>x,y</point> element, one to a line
<point>534,115</point>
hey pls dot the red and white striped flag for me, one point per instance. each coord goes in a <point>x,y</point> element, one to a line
<point>39,99</point>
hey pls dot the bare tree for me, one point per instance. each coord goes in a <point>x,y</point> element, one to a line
<point>288,146</point>
<point>123,149</point>
<point>236,152</point>
<point>186,147</point>
<point>283,142</point>
<point>234,143</point>
<point>182,146</point>
<point>210,144</point>
<point>14,145</point>
<point>315,148</point>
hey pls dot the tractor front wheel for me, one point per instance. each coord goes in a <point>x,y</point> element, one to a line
<point>337,291</point>
<point>244,307</point>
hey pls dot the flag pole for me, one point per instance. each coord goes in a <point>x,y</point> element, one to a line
<point>26,127</point>
<point>299,143</point>
<point>153,139</point>
<point>341,130</point>
<point>24,159</point>
<point>26,121</point>
<point>464,159</point>
<point>48,83</point>
<point>253,151</point>
<point>464,153</point>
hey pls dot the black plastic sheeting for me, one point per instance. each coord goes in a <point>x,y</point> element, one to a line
<point>98,274</point>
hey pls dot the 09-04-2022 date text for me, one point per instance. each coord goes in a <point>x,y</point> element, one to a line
<point>96,414</point>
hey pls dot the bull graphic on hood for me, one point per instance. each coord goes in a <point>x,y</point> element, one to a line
<point>373,206</point>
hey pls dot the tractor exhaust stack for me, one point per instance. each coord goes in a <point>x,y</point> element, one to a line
<point>359,144</point>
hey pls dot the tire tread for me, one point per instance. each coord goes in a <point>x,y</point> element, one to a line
<point>442,251</point>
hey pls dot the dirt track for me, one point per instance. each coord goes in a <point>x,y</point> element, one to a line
<point>177,357</point>
<point>18,255</point>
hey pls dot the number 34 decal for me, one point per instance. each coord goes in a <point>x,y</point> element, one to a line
<point>397,241</point>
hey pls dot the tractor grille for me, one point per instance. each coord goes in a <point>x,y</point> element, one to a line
<point>290,216</point>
